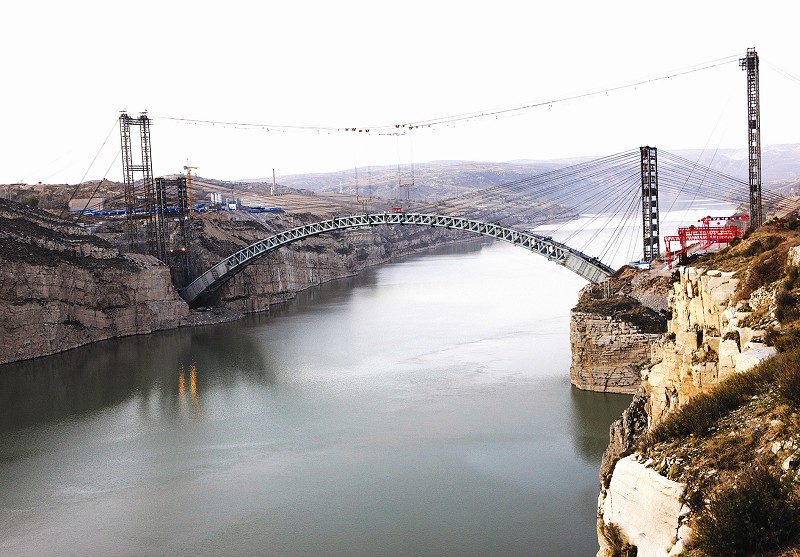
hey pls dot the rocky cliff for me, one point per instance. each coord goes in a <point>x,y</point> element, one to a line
<point>612,329</point>
<point>61,288</point>
<point>709,339</point>
<point>692,433</point>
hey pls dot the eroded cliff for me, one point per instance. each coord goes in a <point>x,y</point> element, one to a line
<point>612,329</point>
<point>61,288</point>
<point>711,418</point>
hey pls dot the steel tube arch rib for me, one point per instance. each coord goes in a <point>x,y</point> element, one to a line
<point>579,263</point>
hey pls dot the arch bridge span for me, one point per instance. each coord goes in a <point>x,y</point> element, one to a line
<point>579,263</point>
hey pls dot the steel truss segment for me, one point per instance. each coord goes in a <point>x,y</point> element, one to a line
<point>581,264</point>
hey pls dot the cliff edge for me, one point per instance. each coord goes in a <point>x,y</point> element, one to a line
<point>61,287</point>
<point>706,460</point>
<point>612,328</point>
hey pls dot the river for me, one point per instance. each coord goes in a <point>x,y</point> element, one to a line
<point>422,408</point>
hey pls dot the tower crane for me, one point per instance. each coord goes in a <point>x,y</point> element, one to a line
<point>188,170</point>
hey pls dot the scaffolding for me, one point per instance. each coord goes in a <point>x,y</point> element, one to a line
<point>750,64</point>
<point>649,168</point>
<point>139,206</point>
<point>173,227</point>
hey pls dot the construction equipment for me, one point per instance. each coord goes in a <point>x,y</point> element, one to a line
<point>703,237</point>
<point>188,170</point>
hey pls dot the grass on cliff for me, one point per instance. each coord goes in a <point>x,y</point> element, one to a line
<point>700,414</point>
<point>730,447</point>
<point>617,542</point>
<point>736,448</point>
<point>745,502</point>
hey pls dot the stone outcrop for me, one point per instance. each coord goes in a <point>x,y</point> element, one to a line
<point>708,340</point>
<point>623,433</point>
<point>710,336</point>
<point>612,329</point>
<point>607,353</point>
<point>61,288</point>
<point>648,509</point>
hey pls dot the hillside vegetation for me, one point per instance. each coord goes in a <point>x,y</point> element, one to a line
<point>737,447</point>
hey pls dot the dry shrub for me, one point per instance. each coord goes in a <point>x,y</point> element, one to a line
<point>760,514</point>
<point>787,376</point>
<point>620,547</point>
<point>783,341</point>
<point>761,245</point>
<point>767,268</point>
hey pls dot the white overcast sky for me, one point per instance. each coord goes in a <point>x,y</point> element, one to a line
<point>68,68</point>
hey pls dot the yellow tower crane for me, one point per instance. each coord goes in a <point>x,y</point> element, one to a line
<point>188,170</point>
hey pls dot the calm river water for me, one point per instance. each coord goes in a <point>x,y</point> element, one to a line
<point>423,408</point>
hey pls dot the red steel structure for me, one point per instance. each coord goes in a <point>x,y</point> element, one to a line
<point>723,231</point>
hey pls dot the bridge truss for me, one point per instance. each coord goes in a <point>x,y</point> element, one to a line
<point>206,284</point>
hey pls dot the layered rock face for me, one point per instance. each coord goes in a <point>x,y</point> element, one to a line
<point>61,288</point>
<point>612,329</point>
<point>707,341</point>
<point>281,274</point>
<point>710,337</point>
<point>607,354</point>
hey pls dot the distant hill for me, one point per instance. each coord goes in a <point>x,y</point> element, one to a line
<point>780,164</point>
<point>431,180</point>
<point>444,179</point>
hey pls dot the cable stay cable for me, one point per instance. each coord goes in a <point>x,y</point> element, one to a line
<point>100,183</point>
<point>91,164</point>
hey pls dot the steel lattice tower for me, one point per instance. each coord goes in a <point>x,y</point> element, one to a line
<point>750,64</point>
<point>133,208</point>
<point>649,168</point>
<point>173,228</point>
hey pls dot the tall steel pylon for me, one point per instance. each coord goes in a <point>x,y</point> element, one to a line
<point>750,64</point>
<point>649,168</point>
<point>138,207</point>
<point>173,227</point>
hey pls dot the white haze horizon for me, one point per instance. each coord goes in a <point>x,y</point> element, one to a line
<point>597,79</point>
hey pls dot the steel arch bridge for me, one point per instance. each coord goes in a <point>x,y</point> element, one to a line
<point>579,263</point>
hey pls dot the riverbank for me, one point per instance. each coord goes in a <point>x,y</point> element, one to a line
<point>62,287</point>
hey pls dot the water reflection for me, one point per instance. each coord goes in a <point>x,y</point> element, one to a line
<point>195,399</point>
<point>106,374</point>
<point>591,415</point>
<point>419,409</point>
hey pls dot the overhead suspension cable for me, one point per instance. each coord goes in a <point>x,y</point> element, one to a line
<point>391,129</point>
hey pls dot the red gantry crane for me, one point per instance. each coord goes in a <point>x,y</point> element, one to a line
<point>712,230</point>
